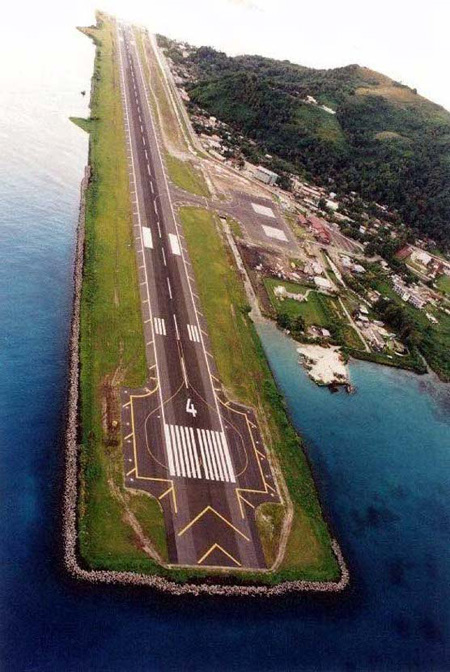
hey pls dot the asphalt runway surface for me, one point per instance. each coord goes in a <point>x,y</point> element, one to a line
<point>184,442</point>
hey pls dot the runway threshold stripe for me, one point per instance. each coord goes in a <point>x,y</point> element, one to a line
<point>180,451</point>
<point>169,451</point>
<point>175,452</point>
<point>189,451</point>
<point>227,457</point>
<point>197,461</point>
<point>189,331</point>
<point>217,455</point>
<point>211,452</point>
<point>220,460</point>
<point>204,456</point>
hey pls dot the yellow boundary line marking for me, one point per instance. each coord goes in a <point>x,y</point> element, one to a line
<point>219,515</point>
<point>213,548</point>
<point>149,478</point>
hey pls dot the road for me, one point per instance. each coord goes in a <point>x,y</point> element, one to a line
<point>185,443</point>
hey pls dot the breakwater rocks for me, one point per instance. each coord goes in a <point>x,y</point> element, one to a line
<point>70,497</point>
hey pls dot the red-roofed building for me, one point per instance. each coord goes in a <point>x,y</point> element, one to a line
<point>403,253</point>
<point>319,229</point>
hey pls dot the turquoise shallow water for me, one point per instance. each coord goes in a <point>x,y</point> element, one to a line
<point>380,457</point>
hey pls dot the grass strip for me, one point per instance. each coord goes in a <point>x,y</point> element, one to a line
<point>112,345</point>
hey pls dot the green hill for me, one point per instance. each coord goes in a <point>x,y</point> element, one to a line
<point>384,141</point>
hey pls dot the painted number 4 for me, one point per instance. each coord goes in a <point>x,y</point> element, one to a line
<point>190,408</point>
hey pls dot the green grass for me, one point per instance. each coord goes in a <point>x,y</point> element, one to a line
<point>167,117</point>
<point>186,176</point>
<point>313,309</point>
<point>86,124</point>
<point>269,518</point>
<point>148,513</point>
<point>111,346</point>
<point>443,283</point>
<point>245,373</point>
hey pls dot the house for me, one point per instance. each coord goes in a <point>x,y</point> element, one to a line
<point>421,257</point>
<point>264,175</point>
<point>302,219</point>
<point>319,229</point>
<point>417,301</point>
<point>403,253</point>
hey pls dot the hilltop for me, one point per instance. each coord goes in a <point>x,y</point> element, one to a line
<point>350,128</point>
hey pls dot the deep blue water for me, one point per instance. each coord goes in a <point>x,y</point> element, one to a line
<point>381,458</point>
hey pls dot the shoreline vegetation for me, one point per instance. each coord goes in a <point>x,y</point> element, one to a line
<point>108,537</point>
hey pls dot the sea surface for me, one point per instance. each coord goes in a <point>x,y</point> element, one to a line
<point>381,459</point>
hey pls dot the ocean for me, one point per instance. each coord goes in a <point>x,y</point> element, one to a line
<point>381,458</point>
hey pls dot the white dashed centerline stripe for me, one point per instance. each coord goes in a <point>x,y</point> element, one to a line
<point>176,327</point>
<point>169,287</point>
<point>164,256</point>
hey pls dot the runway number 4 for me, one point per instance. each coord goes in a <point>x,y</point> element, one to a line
<point>190,408</point>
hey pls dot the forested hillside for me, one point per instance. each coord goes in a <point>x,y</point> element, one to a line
<point>384,141</point>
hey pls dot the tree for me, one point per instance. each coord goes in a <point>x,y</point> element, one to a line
<point>298,323</point>
<point>284,320</point>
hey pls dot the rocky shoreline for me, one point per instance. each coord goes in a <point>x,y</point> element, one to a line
<point>70,497</point>
<point>325,365</point>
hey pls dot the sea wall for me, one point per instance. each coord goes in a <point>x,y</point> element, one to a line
<point>70,496</point>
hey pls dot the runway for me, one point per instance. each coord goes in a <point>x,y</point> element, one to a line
<point>184,442</point>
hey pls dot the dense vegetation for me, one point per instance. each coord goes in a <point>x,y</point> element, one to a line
<point>385,141</point>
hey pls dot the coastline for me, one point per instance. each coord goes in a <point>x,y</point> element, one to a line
<point>71,529</point>
<point>70,496</point>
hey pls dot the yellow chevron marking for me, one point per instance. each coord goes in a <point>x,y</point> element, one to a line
<point>213,548</point>
<point>219,515</point>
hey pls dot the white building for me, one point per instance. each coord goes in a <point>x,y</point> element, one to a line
<point>264,175</point>
<point>322,283</point>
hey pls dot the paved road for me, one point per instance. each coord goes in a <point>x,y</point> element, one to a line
<point>184,442</point>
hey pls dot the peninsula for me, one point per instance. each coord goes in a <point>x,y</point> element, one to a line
<point>183,469</point>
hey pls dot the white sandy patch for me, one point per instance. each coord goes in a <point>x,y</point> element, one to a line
<point>325,365</point>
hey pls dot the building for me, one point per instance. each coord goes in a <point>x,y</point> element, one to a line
<point>319,229</point>
<point>404,253</point>
<point>421,257</point>
<point>417,301</point>
<point>322,283</point>
<point>264,175</point>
